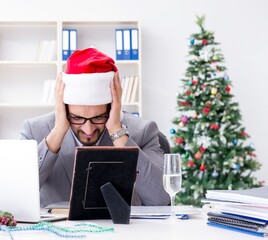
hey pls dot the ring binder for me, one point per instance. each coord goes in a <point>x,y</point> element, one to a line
<point>126,44</point>
<point>134,44</point>
<point>65,44</point>
<point>119,44</point>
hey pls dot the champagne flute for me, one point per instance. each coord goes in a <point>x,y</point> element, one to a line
<point>172,178</point>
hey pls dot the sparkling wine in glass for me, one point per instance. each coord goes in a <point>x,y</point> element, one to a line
<point>172,178</point>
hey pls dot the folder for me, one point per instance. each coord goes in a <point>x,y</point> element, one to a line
<point>125,89</point>
<point>73,40</point>
<point>134,44</point>
<point>119,44</point>
<point>43,50</point>
<point>122,82</point>
<point>129,89</point>
<point>134,92</point>
<point>65,44</point>
<point>242,230</point>
<point>126,44</point>
<point>52,50</point>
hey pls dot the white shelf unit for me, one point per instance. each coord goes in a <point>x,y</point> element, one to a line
<point>22,74</point>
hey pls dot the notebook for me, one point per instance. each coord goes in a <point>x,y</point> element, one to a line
<point>238,223</point>
<point>19,181</point>
<point>94,168</point>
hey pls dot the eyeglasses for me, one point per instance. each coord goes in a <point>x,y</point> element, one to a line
<point>101,119</point>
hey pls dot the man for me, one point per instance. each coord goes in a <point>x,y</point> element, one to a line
<point>88,112</point>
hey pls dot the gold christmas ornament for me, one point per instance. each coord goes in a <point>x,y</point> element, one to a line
<point>214,91</point>
<point>208,104</point>
<point>181,124</point>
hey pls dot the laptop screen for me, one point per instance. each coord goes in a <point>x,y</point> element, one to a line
<point>19,179</point>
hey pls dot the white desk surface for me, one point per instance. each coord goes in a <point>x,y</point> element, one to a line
<point>195,228</point>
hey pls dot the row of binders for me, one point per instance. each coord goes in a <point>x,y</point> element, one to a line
<point>69,42</point>
<point>245,211</point>
<point>127,44</point>
<point>46,50</point>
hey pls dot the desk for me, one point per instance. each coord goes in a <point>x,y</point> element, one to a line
<point>194,228</point>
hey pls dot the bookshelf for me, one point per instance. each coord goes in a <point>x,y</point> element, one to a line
<point>23,71</point>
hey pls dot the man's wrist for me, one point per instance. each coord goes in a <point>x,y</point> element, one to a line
<point>119,133</point>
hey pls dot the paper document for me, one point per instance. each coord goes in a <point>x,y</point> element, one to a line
<point>162,212</point>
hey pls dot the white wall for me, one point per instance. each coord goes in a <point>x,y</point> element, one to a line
<point>240,26</point>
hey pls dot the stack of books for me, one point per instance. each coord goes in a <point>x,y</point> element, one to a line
<point>240,210</point>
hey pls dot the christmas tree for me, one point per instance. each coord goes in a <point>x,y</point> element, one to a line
<point>214,146</point>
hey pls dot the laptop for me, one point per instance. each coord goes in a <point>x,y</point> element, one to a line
<point>19,182</point>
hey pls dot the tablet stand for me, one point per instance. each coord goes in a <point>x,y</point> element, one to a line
<point>117,206</point>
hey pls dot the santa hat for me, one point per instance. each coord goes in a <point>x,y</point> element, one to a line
<point>87,78</point>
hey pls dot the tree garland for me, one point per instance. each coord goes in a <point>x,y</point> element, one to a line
<point>9,224</point>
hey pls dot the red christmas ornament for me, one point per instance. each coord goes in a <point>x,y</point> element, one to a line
<point>179,140</point>
<point>198,155</point>
<point>252,154</point>
<point>191,163</point>
<point>185,103</point>
<point>244,134</point>
<point>204,42</point>
<point>194,82</point>
<point>206,110</point>
<point>203,86</point>
<point>202,167</point>
<point>214,126</point>
<point>188,92</point>
<point>202,149</point>
<point>228,89</point>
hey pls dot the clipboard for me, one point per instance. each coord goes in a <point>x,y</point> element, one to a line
<point>103,182</point>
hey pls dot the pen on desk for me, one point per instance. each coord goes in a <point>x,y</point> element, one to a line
<point>6,229</point>
<point>182,216</point>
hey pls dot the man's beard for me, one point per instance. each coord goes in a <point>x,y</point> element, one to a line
<point>89,142</point>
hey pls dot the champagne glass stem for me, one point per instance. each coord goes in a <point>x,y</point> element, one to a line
<point>173,214</point>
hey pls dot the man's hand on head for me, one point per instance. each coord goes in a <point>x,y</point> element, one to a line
<point>114,124</point>
<point>55,137</point>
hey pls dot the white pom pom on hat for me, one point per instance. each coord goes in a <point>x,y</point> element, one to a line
<point>87,78</point>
